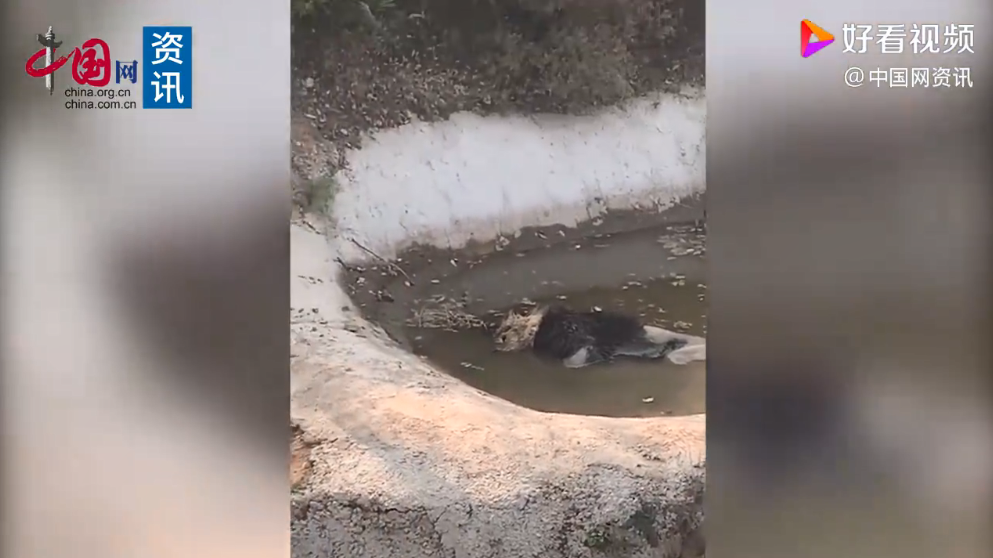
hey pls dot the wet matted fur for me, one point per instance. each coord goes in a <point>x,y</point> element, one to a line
<point>583,338</point>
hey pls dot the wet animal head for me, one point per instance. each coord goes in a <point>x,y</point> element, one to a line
<point>516,332</point>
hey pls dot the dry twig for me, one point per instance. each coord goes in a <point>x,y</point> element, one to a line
<point>384,260</point>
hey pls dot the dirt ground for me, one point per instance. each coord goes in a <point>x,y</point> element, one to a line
<point>300,447</point>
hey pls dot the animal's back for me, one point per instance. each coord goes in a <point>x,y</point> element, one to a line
<point>563,333</point>
<point>612,329</point>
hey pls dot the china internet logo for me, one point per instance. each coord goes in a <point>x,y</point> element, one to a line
<point>808,48</point>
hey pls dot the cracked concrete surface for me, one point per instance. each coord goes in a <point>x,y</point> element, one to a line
<point>393,458</point>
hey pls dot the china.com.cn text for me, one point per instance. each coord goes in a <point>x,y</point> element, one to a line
<point>99,98</point>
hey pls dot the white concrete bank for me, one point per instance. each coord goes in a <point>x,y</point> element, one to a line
<point>405,461</point>
<point>474,178</point>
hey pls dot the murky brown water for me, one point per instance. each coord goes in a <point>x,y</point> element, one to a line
<point>657,274</point>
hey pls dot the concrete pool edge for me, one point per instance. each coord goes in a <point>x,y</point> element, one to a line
<point>473,179</point>
<point>394,458</point>
<point>404,460</point>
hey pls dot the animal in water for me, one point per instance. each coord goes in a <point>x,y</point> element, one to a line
<point>580,339</point>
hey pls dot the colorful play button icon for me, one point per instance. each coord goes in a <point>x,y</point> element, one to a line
<point>810,29</point>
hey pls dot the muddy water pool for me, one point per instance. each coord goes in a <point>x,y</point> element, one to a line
<point>657,274</point>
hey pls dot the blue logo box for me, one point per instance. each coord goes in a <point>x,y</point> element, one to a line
<point>167,57</point>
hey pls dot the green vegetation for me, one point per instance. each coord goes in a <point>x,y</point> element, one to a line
<point>597,539</point>
<point>378,63</point>
<point>320,194</point>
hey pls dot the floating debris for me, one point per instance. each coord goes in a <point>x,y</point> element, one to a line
<point>647,399</point>
<point>501,243</point>
<point>471,366</point>
<point>692,244</point>
<point>447,315</point>
<point>383,296</point>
